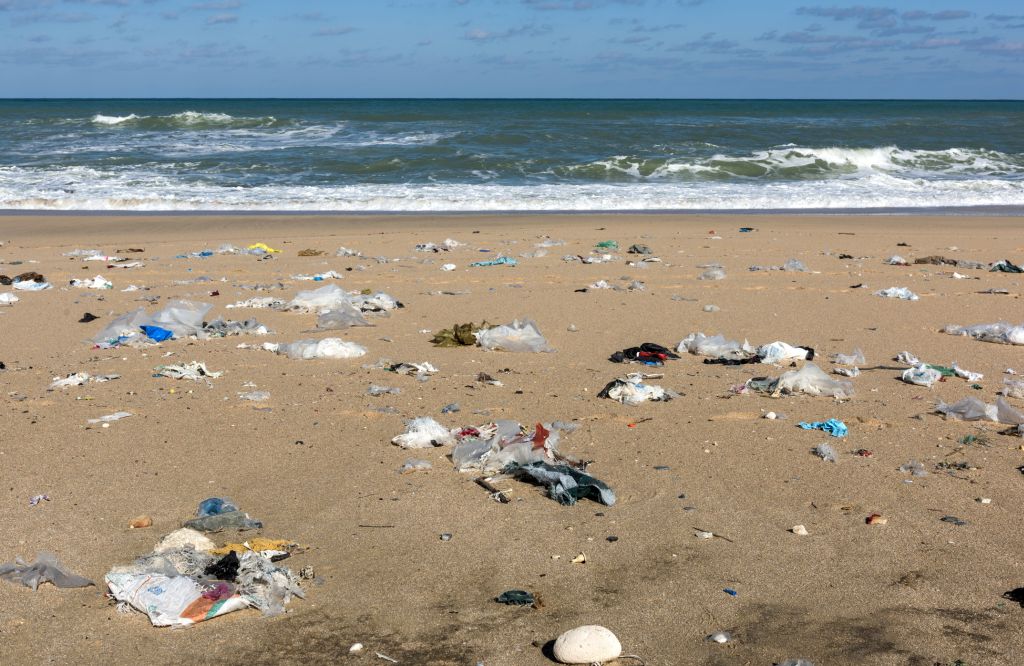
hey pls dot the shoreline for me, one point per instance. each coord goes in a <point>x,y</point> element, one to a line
<point>944,211</point>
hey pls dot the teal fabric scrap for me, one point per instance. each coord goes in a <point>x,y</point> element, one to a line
<point>834,427</point>
<point>507,261</point>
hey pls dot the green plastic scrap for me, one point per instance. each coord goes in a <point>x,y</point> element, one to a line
<point>459,335</point>
<point>608,245</point>
<point>946,372</point>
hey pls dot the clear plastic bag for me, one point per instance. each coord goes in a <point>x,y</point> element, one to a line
<point>519,336</point>
<point>812,380</point>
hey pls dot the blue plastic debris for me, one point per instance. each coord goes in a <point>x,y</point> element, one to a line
<point>834,427</point>
<point>157,334</point>
<point>731,592</point>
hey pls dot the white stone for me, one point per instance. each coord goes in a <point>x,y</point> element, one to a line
<point>771,416</point>
<point>799,529</point>
<point>985,500</point>
<point>587,645</point>
<point>356,647</point>
<point>720,637</point>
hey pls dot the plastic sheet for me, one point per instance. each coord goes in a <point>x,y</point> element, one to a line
<point>921,375</point>
<point>856,358</point>
<point>343,316</point>
<point>46,569</point>
<point>812,380</point>
<point>901,293</point>
<point>565,484</point>
<point>969,409</point>
<point>716,346</point>
<point>631,390</point>
<point>779,351</point>
<point>519,336</point>
<point>329,348</point>
<point>1000,332</point>
<point>423,433</point>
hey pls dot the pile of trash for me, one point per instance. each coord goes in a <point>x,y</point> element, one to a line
<point>188,579</point>
<point>719,350</point>
<point>507,449</point>
<point>632,390</point>
<point>179,319</point>
<point>648,353</point>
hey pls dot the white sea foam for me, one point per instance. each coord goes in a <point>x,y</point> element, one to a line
<point>101,119</point>
<point>81,188</point>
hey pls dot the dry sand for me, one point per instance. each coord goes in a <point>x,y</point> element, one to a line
<point>915,591</point>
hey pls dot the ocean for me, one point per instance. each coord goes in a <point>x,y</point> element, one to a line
<point>509,155</point>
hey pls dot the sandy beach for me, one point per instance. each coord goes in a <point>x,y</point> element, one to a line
<point>316,465</point>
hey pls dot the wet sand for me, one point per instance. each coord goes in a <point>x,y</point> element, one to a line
<point>318,465</point>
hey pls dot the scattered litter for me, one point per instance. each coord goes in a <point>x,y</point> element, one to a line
<point>36,499</point>
<point>195,370</point>
<point>110,418</point>
<point>98,282</point>
<point>255,396</point>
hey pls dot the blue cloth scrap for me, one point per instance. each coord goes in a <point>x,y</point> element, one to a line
<point>508,261</point>
<point>157,334</point>
<point>834,427</point>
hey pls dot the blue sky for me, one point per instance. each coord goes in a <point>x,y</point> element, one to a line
<point>511,48</point>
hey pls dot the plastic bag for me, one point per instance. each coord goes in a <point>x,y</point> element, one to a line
<point>183,318</point>
<point>331,348</point>
<point>812,380</point>
<point>712,274</point>
<point>519,336</point>
<point>170,600</point>
<point>715,347</point>
<point>423,433</point>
